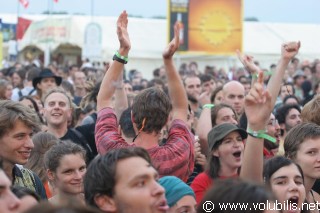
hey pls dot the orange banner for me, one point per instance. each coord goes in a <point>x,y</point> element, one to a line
<point>215,26</point>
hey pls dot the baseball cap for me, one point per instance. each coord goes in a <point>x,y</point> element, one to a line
<point>220,131</point>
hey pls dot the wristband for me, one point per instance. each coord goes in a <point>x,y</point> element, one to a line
<point>261,134</point>
<point>208,106</point>
<point>120,58</point>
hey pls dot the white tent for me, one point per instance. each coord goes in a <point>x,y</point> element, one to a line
<point>149,37</point>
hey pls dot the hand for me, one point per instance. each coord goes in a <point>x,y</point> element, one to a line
<point>122,32</point>
<point>205,98</point>
<point>248,63</point>
<point>173,45</point>
<point>201,160</point>
<point>290,49</point>
<point>258,105</point>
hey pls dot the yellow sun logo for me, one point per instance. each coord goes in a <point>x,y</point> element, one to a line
<point>215,27</point>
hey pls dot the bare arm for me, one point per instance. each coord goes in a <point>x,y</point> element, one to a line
<point>203,128</point>
<point>258,108</point>
<point>288,51</point>
<point>109,82</point>
<point>177,93</point>
<point>121,100</point>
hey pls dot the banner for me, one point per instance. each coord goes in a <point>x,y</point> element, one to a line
<point>25,3</point>
<point>208,27</point>
<point>23,25</point>
<point>92,47</point>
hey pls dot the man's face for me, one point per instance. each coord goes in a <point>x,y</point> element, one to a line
<point>234,96</point>
<point>57,109</point>
<point>46,84</point>
<point>137,188</point>
<point>193,87</point>
<point>8,201</point>
<point>292,119</point>
<point>208,86</point>
<point>79,79</point>
<point>16,144</point>
<point>273,128</point>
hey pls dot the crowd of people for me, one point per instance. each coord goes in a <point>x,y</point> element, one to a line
<point>88,140</point>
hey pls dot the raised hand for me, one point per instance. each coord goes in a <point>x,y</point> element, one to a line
<point>248,63</point>
<point>122,32</point>
<point>290,49</point>
<point>258,104</point>
<point>173,45</point>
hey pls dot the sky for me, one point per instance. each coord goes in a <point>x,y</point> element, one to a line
<point>285,11</point>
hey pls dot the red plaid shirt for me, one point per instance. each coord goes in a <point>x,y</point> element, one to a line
<point>176,157</point>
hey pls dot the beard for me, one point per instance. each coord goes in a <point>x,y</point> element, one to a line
<point>192,99</point>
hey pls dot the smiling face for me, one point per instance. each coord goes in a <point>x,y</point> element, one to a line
<point>230,152</point>
<point>68,177</point>
<point>137,188</point>
<point>57,109</point>
<point>16,144</point>
<point>287,184</point>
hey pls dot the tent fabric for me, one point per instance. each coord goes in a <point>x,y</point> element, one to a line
<point>150,36</point>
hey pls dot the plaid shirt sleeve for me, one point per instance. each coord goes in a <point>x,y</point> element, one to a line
<point>176,157</point>
<point>106,132</point>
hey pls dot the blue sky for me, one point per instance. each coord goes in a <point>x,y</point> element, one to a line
<point>289,11</point>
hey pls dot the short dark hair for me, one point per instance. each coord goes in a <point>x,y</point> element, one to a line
<point>274,164</point>
<point>101,173</point>
<point>290,96</point>
<point>206,77</point>
<point>126,123</point>
<point>20,192</point>
<point>236,191</point>
<point>297,135</point>
<point>144,106</point>
<point>283,111</point>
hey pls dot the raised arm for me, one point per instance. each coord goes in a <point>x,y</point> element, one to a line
<point>288,51</point>
<point>109,82</point>
<point>120,97</point>
<point>258,108</point>
<point>249,65</point>
<point>177,93</point>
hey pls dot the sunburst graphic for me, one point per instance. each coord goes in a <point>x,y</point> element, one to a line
<point>216,27</point>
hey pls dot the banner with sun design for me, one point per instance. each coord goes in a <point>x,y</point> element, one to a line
<point>208,26</point>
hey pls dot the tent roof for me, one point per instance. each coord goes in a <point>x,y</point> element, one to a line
<point>149,36</point>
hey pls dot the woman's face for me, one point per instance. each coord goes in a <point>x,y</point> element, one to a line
<point>230,151</point>
<point>16,80</point>
<point>218,98</point>
<point>68,177</point>
<point>287,185</point>
<point>226,115</point>
<point>308,157</point>
<point>8,92</point>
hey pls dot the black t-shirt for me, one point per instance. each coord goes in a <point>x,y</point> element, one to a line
<point>84,136</point>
